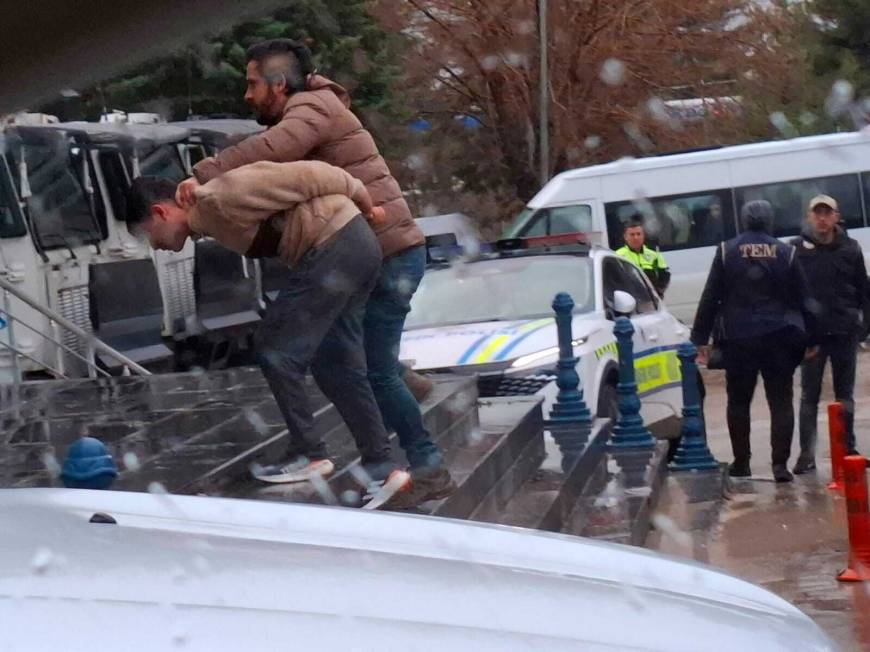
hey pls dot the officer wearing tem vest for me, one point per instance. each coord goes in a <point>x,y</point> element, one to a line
<point>649,260</point>
<point>759,292</point>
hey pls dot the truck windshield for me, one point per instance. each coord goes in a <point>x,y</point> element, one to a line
<point>59,208</point>
<point>11,224</point>
<point>161,161</point>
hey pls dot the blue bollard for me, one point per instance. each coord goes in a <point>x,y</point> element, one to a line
<point>630,432</point>
<point>570,408</point>
<point>692,453</point>
<point>88,465</point>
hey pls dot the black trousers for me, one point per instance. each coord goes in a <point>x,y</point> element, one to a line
<point>842,351</point>
<point>317,323</point>
<point>775,356</point>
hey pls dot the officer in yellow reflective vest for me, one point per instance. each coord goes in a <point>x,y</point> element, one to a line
<point>649,260</point>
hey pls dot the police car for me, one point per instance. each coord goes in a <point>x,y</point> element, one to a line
<point>493,316</point>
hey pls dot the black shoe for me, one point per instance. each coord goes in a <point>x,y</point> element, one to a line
<point>804,466</point>
<point>739,469</point>
<point>781,473</point>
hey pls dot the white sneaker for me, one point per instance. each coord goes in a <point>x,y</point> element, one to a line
<point>299,469</point>
<point>380,493</point>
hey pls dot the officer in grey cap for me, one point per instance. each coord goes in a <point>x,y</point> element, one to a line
<point>759,292</point>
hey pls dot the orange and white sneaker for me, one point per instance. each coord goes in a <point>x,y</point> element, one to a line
<point>299,469</point>
<point>381,494</point>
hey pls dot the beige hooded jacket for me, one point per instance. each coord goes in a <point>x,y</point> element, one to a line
<point>277,209</point>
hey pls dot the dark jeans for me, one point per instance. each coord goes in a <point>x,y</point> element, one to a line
<point>775,357</point>
<point>317,322</point>
<point>843,354</point>
<point>387,308</point>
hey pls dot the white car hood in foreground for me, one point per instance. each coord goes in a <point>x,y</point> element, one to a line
<point>214,574</point>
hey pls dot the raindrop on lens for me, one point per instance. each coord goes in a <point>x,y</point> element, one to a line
<point>489,62</point>
<point>131,461</point>
<point>157,488</point>
<point>350,497</point>
<point>612,72</point>
<point>41,560</point>
<point>525,27</point>
<point>51,464</point>
<point>256,421</point>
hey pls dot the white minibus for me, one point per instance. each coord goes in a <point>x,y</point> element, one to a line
<point>691,201</point>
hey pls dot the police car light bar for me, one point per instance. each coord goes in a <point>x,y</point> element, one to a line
<point>561,240</point>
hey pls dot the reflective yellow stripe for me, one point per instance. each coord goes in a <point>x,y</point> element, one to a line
<point>500,342</point>
<point>655,370</point>
<point>651,371</point>
<point>487,353</point>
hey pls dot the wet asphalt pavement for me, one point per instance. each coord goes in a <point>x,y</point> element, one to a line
<point>789,538</point>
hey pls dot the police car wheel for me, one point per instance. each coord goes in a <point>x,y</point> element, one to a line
<point>608,402</point>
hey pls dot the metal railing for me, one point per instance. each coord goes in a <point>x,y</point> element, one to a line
<point>91,344</point>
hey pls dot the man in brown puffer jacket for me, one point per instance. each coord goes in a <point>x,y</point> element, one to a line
<point>310,118</point>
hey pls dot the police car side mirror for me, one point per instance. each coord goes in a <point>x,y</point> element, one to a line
<point>623,303</point>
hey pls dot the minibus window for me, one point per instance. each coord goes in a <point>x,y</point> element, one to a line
<point>676,222</point>
<point>790,200</point>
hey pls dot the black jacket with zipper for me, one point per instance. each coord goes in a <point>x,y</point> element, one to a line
<point>838,283</point>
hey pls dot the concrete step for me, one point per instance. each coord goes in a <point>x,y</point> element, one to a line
<point>548,497</point>
<point>495,461</point>
<point>150,417</point>
<point>621,497</point>
<point>449,413</point>
<point>693,502</point>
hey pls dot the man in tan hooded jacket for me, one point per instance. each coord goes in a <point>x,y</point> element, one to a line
<point>307,214</point>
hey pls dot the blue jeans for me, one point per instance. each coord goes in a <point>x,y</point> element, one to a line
<point>384,321</point>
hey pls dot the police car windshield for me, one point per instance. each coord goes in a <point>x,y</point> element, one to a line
<point>500,290</point>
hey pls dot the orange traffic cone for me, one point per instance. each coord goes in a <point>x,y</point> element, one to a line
<point>858,512</point>
<point>837,430</point>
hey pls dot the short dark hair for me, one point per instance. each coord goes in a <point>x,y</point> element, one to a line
<point>142,194</point>
<point>632,222</point>
<point>296,56</point>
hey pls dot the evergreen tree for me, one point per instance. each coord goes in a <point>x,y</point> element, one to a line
<point>208,77</point>
<point>843,50</point>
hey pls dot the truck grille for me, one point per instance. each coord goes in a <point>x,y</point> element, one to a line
<point>74,304</point>
<point>178,288</point>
